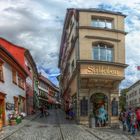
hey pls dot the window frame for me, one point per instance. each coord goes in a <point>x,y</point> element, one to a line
<point>1,72</point>
<point>14,76</point>
<point>106,46</point>
<point>105,20</point>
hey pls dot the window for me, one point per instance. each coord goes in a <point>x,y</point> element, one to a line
<point>1,73</point>
<point>102,23</point>
<point>102,52</point>
<point>84,107</point>
<point>20,82</point>
<point>135,93</point>
<point>14,76</point>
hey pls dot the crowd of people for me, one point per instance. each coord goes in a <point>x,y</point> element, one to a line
<point>130,119</point>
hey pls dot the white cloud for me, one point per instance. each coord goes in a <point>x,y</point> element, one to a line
<point>37,25</point>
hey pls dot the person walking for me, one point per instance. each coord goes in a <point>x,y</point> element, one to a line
<point>133,123</point>
<point>128,118</point>
<point>41,112</point>
<point>123,119</point>
<point>138,117</point>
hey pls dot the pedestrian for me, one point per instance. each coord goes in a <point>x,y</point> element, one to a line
<point>46,113</point>
<point>71,113</point>
<point>67,109</point>
<point>128,118</point>
<point>41,111</point>
<point>133,123</point>
<point>138,117</point>
<point>123,119</point>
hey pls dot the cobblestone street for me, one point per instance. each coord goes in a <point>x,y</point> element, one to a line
<point>55,127</point>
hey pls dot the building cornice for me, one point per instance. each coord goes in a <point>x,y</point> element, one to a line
<point>102,38</point>
<point>95,10</point>
<point>102,29</point>
<point>101,62</point>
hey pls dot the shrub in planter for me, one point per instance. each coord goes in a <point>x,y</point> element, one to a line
<point>18,120</point>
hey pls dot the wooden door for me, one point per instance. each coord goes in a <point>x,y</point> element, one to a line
<point>2,105</point>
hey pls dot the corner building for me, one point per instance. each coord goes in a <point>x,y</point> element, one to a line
<point>92,62</point>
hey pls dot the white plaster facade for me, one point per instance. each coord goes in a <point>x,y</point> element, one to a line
<point>9,88</point>
<point>133,95</point>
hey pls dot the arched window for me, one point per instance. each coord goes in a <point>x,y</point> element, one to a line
<point>102,52</point>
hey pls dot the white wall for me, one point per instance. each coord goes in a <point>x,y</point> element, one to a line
<point>8,87</point>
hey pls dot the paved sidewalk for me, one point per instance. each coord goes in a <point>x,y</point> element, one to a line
<point>9,130</point>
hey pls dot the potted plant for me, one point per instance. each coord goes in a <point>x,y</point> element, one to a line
<point>12,119</point>
<point>1,123</point>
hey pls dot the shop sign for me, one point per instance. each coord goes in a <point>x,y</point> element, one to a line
<point>104,70</point>
<point>10,106</point>
<point>97,69</point>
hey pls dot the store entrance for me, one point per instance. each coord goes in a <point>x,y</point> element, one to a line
<point>100,108</point>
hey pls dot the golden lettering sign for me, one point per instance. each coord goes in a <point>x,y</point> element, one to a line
<point>104,70</point>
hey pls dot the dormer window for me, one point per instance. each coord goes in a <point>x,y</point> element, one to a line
<point>101,23</point>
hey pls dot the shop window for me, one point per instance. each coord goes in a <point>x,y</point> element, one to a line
<point>1,73</point>
<point>84,107</point>
<point>101,23</point>
<point>102,52</point>
<point>14,76</point>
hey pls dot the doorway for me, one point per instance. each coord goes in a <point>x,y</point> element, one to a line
<point>2,107</point>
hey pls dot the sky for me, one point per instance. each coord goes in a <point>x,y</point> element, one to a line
<point>37,25</point>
